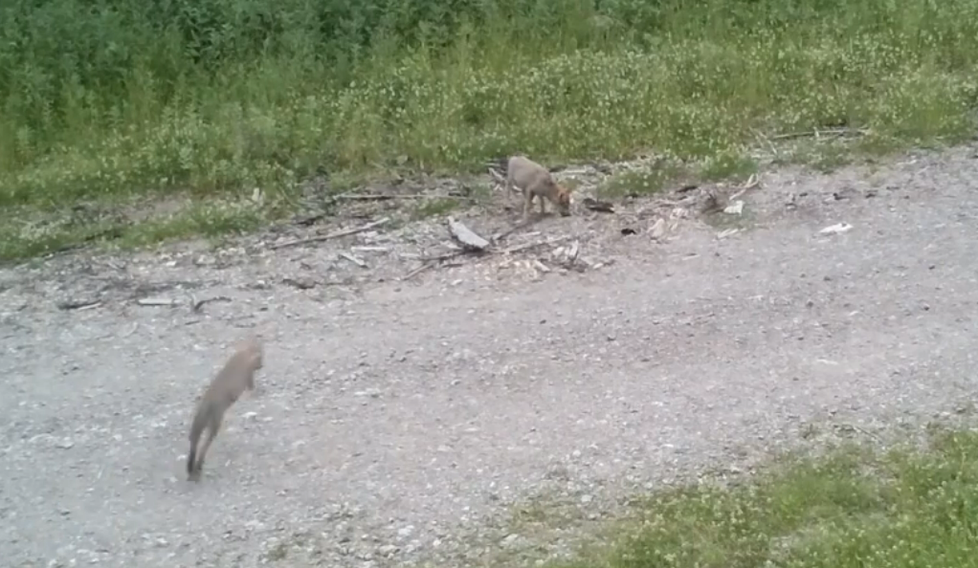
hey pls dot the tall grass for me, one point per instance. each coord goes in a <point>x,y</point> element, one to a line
<point>106,98</point>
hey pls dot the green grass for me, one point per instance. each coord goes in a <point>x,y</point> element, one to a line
<point>213,98</point>
<point>851,508</point>
<point>434,208</point>
<point>640,182</point>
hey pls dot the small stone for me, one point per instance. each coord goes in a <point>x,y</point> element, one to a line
<point>405,532</point>
<point>735,208</point>
<point>658,229</point>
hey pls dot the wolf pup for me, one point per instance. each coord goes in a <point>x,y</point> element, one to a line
<point>237,376</point>
<point>535,181</point>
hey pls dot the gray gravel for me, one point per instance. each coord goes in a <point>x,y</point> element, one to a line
<point>394,420</point>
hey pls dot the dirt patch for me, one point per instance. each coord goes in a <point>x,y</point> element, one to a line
<point>395,416</point>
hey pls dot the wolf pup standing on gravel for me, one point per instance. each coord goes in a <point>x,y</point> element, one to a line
<point>237,376</point>
<point>535,181</point>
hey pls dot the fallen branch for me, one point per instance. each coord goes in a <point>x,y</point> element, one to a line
<point>169,302</point>
<point>353,259</point>
<point>336,235</point>
<point>198,304</point>
<point>441,257</point>
<point>521,225</point>
<point>600,206</point>
<point>817,133</point>
<point>430,261</point>
<point>385,196</point>
<point>79,304</point>
<point>418,270</point>
<point>308,220</point>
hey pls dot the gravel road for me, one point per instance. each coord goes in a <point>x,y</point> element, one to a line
<point>392,418</point>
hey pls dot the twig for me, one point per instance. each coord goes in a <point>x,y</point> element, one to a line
<point>198,304</point>
<point>79,304</point>
<point>158,302</point>
<point>429,262</point>
<point>446,256</point>
<point>419,270</point>
<point>309,220</point>
<point>381,196</point>
<point>329,236</point>
<point>521,225</point>
<point>353,259</point>
<point>816,133</point>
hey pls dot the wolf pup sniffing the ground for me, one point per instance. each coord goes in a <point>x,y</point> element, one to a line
<point>535,181</point>
<point>237,376</point>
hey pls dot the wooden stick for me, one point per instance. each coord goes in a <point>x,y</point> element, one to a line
<point>521,225</point>
<point>392,196</point>
<point>353,259</point>
<point>336,235</point>
<point>817,133</point>
<point>431,261</point>
<point>419,270</point>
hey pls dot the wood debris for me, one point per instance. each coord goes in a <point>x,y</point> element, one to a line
<point>711,203</point>
<point>334,235</point>
<point>79,304</point>
<point>467,237</point>
<point>196,305</point>
<point>164,302</point>
<point>393,196</point>
<point>301,282</point>
<point>600,206</point>
<point>353,259</point>
<point>819,133</point>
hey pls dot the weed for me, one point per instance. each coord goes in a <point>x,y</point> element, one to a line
<point>218,97</point>
<point>641,182</point>
<point>728,165</point>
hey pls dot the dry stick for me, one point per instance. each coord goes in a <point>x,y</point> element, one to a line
<point>511,230</point>
<point>388,196</point>
<point>377,197</point>
<point>353,259</point>
<point>430,262</point>
<point>829,132</point>
<point>418,270</point>
<point>79,304</point>
<point>335,235</point>
<point>196,304</point>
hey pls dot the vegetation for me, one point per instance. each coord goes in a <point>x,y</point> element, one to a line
<point>120,100</point>
<point>853,509</point>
